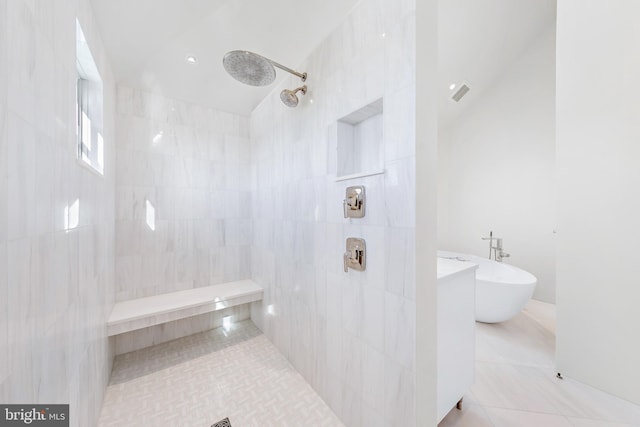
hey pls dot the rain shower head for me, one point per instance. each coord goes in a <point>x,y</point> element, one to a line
<point>249,68</point>
<point>289,97</point>
<point>253,69</point>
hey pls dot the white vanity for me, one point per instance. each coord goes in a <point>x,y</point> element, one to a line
<point>456,332</point>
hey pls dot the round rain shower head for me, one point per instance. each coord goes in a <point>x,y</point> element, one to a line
<point>249,68</point>
<point>289,97</point>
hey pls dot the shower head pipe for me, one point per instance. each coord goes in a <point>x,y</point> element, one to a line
<point>303,76</point>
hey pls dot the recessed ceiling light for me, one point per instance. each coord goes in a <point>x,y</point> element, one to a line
<point>192,59</point>
<point>452,86</point>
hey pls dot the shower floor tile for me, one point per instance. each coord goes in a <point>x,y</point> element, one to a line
<point>203,378</point>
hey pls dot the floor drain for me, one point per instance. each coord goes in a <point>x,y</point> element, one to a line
<point>222,423</point>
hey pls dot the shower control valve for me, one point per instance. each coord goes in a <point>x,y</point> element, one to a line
<point>355,255</point>
<point>354,201</point>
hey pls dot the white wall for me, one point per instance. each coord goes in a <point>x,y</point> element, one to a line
<point>598,64</point>
<point>56,285</point>
<point>351,335</point>
<point>497,164</point>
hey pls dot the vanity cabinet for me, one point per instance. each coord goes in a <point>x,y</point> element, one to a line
<point>456,332</point>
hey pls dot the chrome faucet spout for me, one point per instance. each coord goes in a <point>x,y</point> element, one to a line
<point>496,250</point>
<point>490,239</point>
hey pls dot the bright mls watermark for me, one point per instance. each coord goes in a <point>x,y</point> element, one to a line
<point>34,415</point>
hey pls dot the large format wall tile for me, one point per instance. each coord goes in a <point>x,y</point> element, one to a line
<point>351,335</point>
<point>56,285</point>
<point>192,165</point>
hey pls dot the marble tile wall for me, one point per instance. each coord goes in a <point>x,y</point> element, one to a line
<point>192,164</point>
<point>351,335</point>
<point>56,285</point>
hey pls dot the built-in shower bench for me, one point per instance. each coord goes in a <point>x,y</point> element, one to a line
<point>149,311</point>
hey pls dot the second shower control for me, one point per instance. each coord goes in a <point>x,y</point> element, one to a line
<point>355,256</point>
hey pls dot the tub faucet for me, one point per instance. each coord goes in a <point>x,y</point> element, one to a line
<point>490,239</point>
<point>496,251</point>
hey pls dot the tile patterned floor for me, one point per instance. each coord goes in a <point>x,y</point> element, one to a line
<point>516,384</point>
<point>203,378</point>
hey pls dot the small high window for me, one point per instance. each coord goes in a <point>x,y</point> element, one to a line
<point>89,106</point>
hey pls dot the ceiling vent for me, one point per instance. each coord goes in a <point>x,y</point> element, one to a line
<point>460,92</point>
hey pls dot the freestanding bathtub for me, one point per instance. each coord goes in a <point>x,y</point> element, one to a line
<point>502,290</point>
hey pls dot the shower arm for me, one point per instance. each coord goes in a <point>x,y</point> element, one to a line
<point>302,89</point>
<point>302,76</point>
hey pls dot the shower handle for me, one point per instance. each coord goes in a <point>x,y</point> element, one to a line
<point>353,202</point>
<point>354,256</point>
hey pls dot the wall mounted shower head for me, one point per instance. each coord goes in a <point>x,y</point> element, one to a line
<point>289,97</point>
<point>253,69</point>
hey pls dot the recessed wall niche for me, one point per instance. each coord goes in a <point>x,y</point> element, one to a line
<point>359,142</point>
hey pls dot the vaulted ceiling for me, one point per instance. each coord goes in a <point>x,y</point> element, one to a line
<point>148,42</point>
<point>479,39</point>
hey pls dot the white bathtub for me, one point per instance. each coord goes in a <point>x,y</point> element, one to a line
<point>502,290</point>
